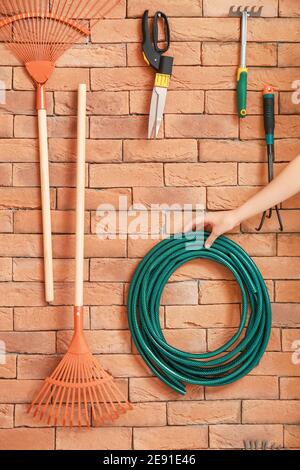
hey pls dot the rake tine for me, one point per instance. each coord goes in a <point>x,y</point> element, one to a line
<point>72,371</point>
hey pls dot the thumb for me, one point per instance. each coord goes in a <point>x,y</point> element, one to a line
<point>211,239</point>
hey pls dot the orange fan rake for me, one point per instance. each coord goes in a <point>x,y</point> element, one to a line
<point>79,385</point>
<point>38,32</point>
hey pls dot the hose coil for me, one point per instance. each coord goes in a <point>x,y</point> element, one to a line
<point>230,362</point>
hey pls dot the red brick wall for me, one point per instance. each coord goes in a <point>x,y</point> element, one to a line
<point>204,158</point>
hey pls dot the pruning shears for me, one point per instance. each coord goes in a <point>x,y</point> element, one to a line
<point>162,64</point>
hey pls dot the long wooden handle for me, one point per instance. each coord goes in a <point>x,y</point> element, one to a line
<point>80,187</point>
<point>46,210</point>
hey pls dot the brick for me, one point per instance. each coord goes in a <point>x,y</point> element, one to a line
<point>151,389</point>
<point>288,245</point>
<point>29,343</point>
<point>109,317</point>
<point>290,338</point>
<point>20,245</point>
<point>171,7</point>
<point>24,102</point>
<point>287,291</point>
<point>284,78</point>
<point>95,439</point>
<point>287,55</point>
<point>132,127</point>
<point>129,174</point>
<point>279,267</point>
<point>63,150</point>
<point>292,203</point>
<point>22,198</point>
<point>62,79</point>
<point>212,292</point>
<point>202,316</point>
<point>178,102</point>
<point>6,416</point>
<point>61,174</point>
<point>116,270</point>
<point>286,126</point>
<point>203,412</point>
<point>199,270</point>
<point>116,31</point>
<point>190,340</point>
<point>256,244</point>
<point>8,370</point>
<point>224,102</point>
<point>17,150</point>
<point>256,174</point>
<point>191,126</point>
<point>290,388</point>
<point>6,126</point>
<point>286,149</point>
<point>58,126</point>
<point>224,436</point>
<point>5,174</point>
<point>278,364</point>
<point>18,391</point>
<point>100,342</point>
<point>27,439</point>
<point>18,294</point>
<point>287,104</point>
<point>184,53</point>
<point>290,221</point>
<point>30,222</point>
<point>249,387</point>
<point>271,411</point>
<point>25,269</point>
<point>167,196</point>
<point>95,293</point>
<point>104,55</point>
<point>273,29</point>
<point>36,367</point>
<point>64,247</point>
<point>104,103</point>
<point>180,293</point>
<point>46,318</point>
<point>258,54</point>
<point>7,58</point>
<point>232,150</point>
<point>122,79</point>
<point>160,151</point>
<point>221,7</point>
<point>289,8</point>
<point>208,78</point>
<point>170,438</point>
<point>66,198</point>
<point>285,315</point>
<point>198,174</point>
<point>6,319</point>
<point>225,198</point>
<point>144,414</point>
<point>6,221</point>
<point>291,436</point>
<point>5,269</point>
<point>6,76</point>
<point>124,365</point>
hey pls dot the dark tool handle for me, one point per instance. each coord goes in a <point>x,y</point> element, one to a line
<point>159,15</point>
<point>269,114</point>
<point>152,53</point>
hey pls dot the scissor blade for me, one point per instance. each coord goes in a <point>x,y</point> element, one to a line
<point>158,101</point>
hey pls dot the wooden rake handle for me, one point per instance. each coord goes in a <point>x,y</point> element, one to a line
<point>46,209</point>
<point>80,194</point>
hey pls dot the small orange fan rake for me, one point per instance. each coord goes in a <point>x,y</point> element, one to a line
<point>38,32</point>
<point>79,385</point>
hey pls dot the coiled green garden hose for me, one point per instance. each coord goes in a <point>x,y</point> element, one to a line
<point>224,365</point>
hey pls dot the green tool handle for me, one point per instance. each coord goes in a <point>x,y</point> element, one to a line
<point>228,363</point>
<point>242,83</point>
<point>269,117</point>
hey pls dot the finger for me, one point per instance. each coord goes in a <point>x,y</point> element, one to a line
<point>211,239</point>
